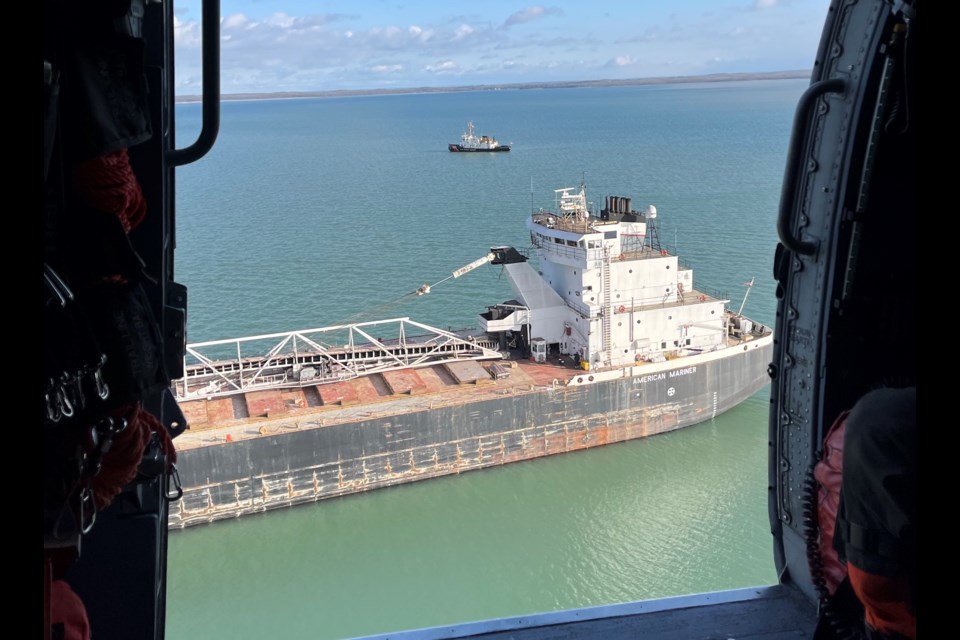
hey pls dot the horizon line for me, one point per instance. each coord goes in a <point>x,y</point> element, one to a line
<point>553,84</point>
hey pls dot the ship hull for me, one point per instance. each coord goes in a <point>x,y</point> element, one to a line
<point>302,464</point>
<point>461,149</point>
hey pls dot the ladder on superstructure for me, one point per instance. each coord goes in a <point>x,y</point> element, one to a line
<point>607,317</point>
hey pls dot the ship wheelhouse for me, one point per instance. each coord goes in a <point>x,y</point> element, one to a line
<point>606,292</point>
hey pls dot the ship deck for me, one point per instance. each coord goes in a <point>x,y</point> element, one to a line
<point>268,412</point>
<point>778,612</point>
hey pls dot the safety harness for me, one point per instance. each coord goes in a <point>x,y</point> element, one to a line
<point>102,348</point>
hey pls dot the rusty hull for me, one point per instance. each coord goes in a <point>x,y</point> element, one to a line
<point>376,432</point>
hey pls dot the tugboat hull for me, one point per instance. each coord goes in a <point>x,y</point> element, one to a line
<point>461,149</point>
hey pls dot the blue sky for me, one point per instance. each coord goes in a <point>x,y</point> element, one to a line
<point>298,45</point>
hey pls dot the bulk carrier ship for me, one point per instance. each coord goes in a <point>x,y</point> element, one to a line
<point>609,340</point>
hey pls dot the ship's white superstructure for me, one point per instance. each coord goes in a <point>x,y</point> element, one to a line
<point>607,293</point>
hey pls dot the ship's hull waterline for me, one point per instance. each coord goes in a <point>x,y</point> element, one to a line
<point>302,461</point>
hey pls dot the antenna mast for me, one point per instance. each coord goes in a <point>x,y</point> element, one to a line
<point>748,285</point>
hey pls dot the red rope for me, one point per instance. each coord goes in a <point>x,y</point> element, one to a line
<point>165,440</point>
<point>121,461</point>
<point>107,183</point>
<point>828,472</point>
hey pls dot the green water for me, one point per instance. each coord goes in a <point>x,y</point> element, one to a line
<point>678,513</point>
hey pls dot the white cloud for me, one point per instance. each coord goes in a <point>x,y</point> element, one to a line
<point>339,51</point>
<point>420,34</point>
<point>530,14</point>
<point>235,21</point>
<point>444,67</point>
<point>281,20</point>
<point>186,34</point>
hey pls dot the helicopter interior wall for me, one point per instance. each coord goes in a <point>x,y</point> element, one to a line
<point>846,265</point>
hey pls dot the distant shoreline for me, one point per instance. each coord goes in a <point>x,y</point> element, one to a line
<point>573,84</point>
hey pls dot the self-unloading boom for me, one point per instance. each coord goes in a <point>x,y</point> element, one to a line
<point>473,265</point>
<point>424,289</point>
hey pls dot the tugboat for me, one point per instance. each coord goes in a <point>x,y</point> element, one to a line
<point>472,142</point>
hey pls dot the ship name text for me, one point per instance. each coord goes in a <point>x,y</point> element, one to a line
<point>653,377</point>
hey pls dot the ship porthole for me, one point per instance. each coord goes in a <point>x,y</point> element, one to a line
<point>579,379</point>
<point>590,378</point>
<point>744,347</point>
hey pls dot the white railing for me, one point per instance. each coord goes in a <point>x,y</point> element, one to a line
<point>319,356</point>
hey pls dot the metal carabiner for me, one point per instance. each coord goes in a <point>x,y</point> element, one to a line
<point>54,414</point>
<point>175,476</point>
<point>63,403</point>
<point>102,389</point>
<point>57,286</point>
<point>88,511</point>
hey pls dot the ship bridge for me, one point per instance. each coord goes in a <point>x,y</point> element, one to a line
<point>575,236</point>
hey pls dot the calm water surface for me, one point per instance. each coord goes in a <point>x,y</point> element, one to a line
<point>312,212</point>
